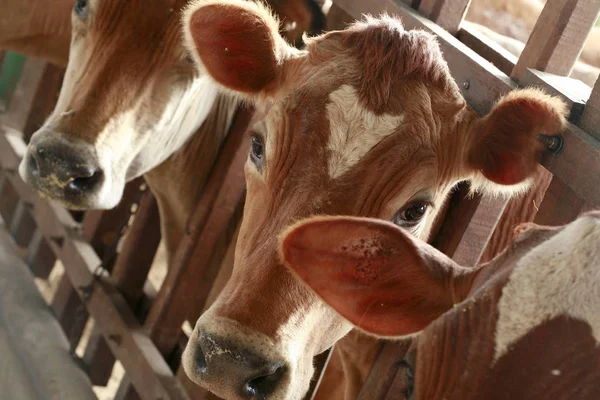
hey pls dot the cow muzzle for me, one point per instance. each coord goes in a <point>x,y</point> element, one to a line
<point>237,364</point>
<point>64,170</point>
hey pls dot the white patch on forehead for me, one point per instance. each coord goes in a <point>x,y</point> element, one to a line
<point>354,130</point>
<point>559,277</point>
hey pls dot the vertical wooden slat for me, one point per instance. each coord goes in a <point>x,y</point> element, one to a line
<point>45,99</point>
<point>381,378</point>
<point>40,256</point>
<point>590,120</point>
<point>449,14</point>
<point>214,216</point>
<point>468,226</point>
<point>560,206</point>
<point>128,275</point>
<point>23,97</point>
<point>558,37</point>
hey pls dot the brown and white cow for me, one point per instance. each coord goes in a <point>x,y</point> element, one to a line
<point>523,326</point>
<point>132,103</point>
<point>365,122</point>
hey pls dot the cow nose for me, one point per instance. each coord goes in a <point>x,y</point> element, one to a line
<point>248,374</point>
<point>59,169</point>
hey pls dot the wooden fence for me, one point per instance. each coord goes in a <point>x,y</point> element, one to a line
<point>141,326</point>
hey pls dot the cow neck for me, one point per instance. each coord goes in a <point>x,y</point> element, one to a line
<point>178,181</point>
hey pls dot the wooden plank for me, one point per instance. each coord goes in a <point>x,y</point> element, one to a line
<point>558,37</point>
<point>128,276</point>
<point>45,99</point>
<point>560,205</point>
<point>9,199</point>
<point>145,366</point>
<point>468,225</point>
<point>22,226</point>
<point>40,256</point>
<point>449,14</point>
<point>577,164</point>
<point>214,217</point>
<point>489,49</point>
<point>590,121</point>
<point>24,95</point>
<point>384,371</point>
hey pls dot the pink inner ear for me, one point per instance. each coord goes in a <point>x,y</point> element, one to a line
<point>369,271</point>
<point>236,46</point>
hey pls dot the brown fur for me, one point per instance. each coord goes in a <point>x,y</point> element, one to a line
<point>426,154</point>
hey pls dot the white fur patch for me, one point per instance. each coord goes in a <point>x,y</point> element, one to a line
<point>559,277</point>
<point>354,130</point>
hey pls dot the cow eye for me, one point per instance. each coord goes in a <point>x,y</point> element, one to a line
<point>82,8</point>
<point>411,214</point>
<point>257,153</point>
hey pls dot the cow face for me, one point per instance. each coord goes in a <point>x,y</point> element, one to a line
<point>130,98</point>
<point>364,122</point>
<point>509,329</point>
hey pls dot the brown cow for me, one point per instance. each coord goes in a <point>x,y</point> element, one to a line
<point>132,103</point>
<point>524,326</point>
<point>366,122</point>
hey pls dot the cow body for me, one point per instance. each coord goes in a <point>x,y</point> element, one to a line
<point>522,326</point>
<point>366,122</point>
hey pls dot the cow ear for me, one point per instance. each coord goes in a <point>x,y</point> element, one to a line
<point>236,42</point>
<point>371,272</point>
<point>505,148</point>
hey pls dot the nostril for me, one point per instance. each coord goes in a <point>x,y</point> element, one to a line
<point>85,180</point>
<point>200,363</point>
<point>265,385</point>
<point>34,168</point>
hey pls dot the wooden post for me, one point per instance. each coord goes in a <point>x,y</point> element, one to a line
<point>558,37</point>
<point>216,214</point>
<point>590,121</point>
<point>128,276</point>
<point>449,14</point>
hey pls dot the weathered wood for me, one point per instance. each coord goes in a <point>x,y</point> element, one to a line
<point>135,259</point>
<point>9,200</point>
<point>45,99</point>
<point>558,37</point>
<point>22,226</point>
<point>128,276</point>
<point>384,370</point>
<point>577,164</point>
<point>214,217</point>
<point>449,14</point>
<point>468,225</point>
<point>590,121</point>
<point>40,256</point>
<point>504,60</point>
<point>144,364</point>
<point>24,95</point>
<point>560,205</point>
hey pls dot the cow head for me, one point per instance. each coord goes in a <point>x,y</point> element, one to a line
<point>364,122</point>
<point>508,329</point>
<point>131,97</point>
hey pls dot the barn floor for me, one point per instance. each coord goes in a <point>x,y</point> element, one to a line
<point>47,289</point>
<point>35,362</point>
